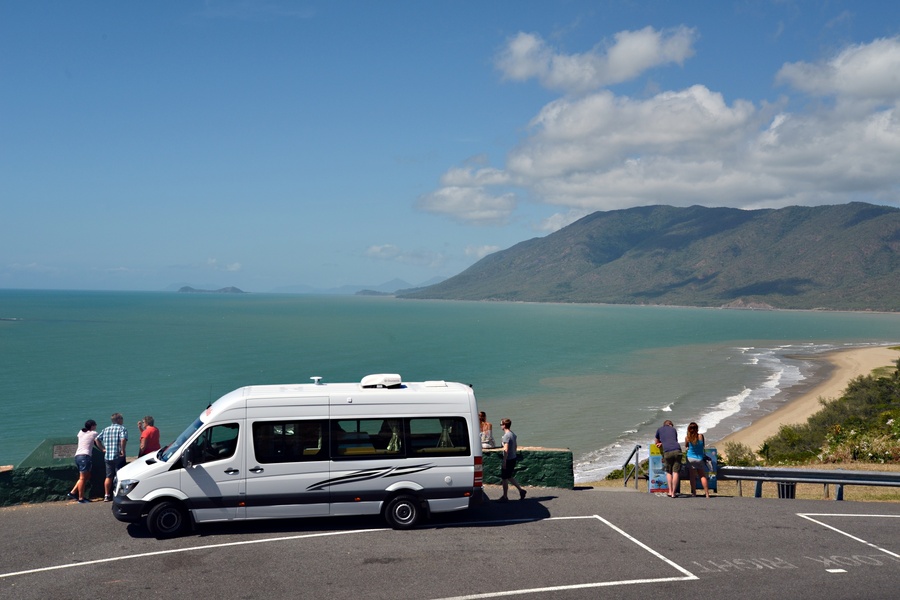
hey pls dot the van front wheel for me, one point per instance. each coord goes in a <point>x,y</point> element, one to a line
<point>166,519</point>
<point>403,512</point>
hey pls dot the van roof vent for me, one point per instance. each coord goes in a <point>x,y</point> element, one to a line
<point>382,380</point>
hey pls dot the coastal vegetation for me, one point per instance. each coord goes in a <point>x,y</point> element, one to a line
<point>862,425</point>
<point>843,257</point>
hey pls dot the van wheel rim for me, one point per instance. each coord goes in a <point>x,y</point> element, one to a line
<point>403,513</point>
<point>169,521</point>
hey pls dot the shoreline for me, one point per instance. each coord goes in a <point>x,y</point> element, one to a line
<point>841,367</point>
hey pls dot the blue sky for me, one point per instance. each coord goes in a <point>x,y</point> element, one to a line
<point>272,144</point>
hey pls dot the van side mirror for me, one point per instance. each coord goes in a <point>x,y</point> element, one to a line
<point>189,456</point>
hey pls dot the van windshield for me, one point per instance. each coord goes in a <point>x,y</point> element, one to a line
<point>172,448</point>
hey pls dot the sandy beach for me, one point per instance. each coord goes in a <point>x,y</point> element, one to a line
<point>847,365</point>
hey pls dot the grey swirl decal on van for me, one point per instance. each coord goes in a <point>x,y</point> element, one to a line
<point>366,474</point>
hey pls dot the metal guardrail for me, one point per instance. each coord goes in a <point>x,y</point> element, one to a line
<point>628,470</point>
<point>788,478</point>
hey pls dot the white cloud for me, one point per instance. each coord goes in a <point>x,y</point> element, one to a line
<point>472,205</point>
<point>479,252</point>
<point>557,221</point>
<point>459,177</point>
<point>384,252</point>
<point>868,72</point>
<point>213,264</point>
<point>33,268</point>
<point>602,151</point>
<point>528,56</point>
<point>421,258</point>
<point>600,130</point>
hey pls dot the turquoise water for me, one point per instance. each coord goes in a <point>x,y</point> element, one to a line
<point>593,378</point>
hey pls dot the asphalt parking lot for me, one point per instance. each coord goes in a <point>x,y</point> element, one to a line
<point>558,544</point>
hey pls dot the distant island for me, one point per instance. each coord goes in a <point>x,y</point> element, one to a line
<point>225,290</point>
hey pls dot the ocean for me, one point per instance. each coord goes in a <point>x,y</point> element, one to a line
<point>597,379</point>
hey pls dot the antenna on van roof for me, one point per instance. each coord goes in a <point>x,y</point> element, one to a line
<point>316,380</point>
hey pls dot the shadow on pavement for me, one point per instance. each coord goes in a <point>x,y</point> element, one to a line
<point>490,513</point>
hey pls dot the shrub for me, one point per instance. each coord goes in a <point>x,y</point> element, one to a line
<point>739,455</point>
<point>794,443</point>
<point>862,425</point>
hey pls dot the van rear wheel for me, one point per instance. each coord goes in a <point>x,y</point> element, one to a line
<point>166,519</point>
<point>403,512</point>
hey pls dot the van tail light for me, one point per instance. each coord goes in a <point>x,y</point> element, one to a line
<point>479,473</point>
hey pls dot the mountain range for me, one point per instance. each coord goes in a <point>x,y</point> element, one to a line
<point>842,257</point>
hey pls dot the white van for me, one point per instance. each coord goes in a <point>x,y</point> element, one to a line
<point>381,446</point>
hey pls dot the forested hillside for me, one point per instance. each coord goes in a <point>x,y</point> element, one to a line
<point>843,257</point>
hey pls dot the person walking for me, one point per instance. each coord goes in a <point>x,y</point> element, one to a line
<point>86,440</point>
<point>112,441</point>
<point>695,444</point>
<point>149,436</point>
<point>667,441</point>
<point>510,457</point>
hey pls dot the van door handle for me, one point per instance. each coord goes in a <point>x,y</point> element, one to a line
<point>257,470</point>
<point>231,471</point>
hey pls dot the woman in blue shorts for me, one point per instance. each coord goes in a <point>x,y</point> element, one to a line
<point>695,444</point>
<point>86,441</point>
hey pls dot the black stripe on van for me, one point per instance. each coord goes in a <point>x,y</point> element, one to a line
<point>367,474</point>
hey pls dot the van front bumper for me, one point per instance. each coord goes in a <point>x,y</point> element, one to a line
<point>128,511</point>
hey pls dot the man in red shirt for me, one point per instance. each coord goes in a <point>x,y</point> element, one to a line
<point>149,436</point>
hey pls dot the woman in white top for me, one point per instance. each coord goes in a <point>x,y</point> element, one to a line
<point>487,431</point>
<point>86,440</point>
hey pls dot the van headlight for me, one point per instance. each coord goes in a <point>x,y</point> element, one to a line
<point>126,485</point>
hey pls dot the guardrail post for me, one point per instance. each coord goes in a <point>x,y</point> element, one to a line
<point>758,493</point>
<point>839,491</point>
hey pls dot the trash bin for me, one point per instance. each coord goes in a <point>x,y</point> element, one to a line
<point>684,476</point>
<point>786,490</point>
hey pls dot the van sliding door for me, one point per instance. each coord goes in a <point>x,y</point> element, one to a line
<point>287,465</point>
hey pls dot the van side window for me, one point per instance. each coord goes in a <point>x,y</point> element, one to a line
<point>439,436</point>
<point>368,438</point>
<point>216,443</point>
<point>290,441</point>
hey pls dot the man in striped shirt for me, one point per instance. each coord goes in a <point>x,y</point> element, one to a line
<point>113,440</point>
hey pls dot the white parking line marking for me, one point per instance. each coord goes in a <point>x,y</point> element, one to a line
<point>688,576</point>
<point>188,549</point>
<point>809,517</point>
<point>836,570</point>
